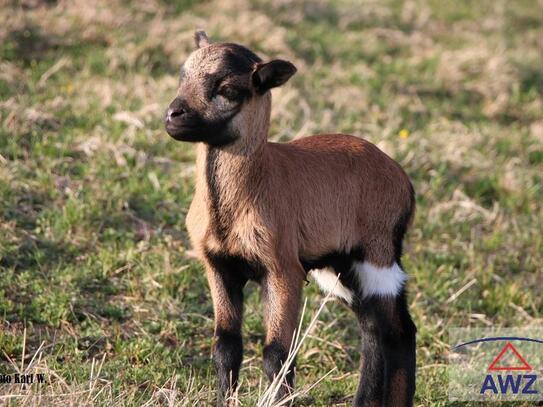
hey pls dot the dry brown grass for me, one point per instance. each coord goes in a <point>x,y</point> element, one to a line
<point>93,193</point>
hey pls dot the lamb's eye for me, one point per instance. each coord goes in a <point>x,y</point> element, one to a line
<point>229,92</point>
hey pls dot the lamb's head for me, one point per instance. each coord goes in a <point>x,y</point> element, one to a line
<point>223,94</point>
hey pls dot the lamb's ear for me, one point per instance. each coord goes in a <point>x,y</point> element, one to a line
<point>201,39</point>
<point>271,74</point>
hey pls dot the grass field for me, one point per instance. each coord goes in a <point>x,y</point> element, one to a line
<point>95,281</point>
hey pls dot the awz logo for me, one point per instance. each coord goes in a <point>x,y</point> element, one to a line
<point>509,382</point>
<point>498,368</point>
<point>495,364</point>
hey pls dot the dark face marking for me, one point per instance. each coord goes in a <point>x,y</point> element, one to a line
<point>214,85</point>
<point>233,92</point>
<point>185,124</point>
<point>238,59</point>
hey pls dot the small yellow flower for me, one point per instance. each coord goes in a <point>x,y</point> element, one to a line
<point>404,133</point>
<point>69,88</point>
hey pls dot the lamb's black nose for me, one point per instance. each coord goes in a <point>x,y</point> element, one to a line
<point>175,109</point>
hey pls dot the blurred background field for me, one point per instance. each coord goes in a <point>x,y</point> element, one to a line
<point>96,288</point>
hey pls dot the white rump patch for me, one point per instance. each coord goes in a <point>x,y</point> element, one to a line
<point>380,281</point>
<point>329,283</point>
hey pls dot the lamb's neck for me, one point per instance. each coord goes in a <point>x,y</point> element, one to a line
<point>228,183</point>
<point>233,170</point>
<point>229,176</point>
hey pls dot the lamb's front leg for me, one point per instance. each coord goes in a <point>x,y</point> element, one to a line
<point>226,284</point>
<point>282,290</point>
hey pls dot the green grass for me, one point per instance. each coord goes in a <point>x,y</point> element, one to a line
<point>93,193</point>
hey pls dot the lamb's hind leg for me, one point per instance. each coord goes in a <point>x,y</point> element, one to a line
<point>399,339</point>
<point>388,337</point>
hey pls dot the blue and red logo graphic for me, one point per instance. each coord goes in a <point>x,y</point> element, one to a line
<point>509,373</point>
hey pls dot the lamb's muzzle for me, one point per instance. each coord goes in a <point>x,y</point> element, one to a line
<point>272,212</point>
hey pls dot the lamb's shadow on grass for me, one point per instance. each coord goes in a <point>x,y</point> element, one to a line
<point>94,298</point>
<point>143,217</point>
<point>531,77</point>
<point>30,249</point>
<point>31,252</point>
<point>28,43</point>
<point>52,267</point>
